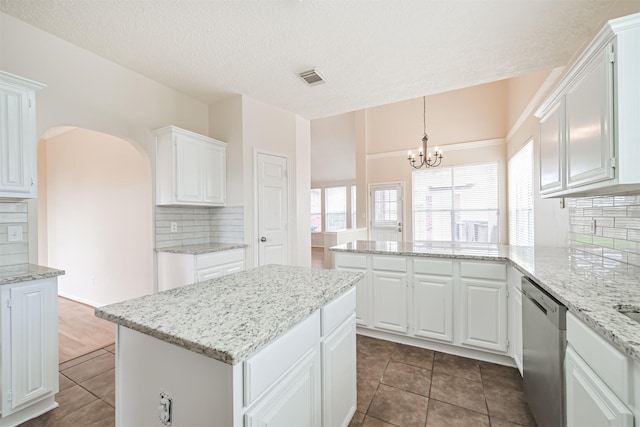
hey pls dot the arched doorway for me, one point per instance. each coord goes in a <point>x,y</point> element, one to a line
<point>95,215</point>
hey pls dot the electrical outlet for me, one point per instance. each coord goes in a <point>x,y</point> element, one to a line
<point>14,233</point>
<point>593,226</point>
<point>174,227</point>
<point>165,409</point>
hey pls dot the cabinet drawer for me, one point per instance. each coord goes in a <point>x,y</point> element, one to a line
<point>263,369</point>
<point>389,263</point>
<point>338,310</point>
<point>351,260</point>
<point>216,258</point>
<point>483,270</point>
<point>607,362</point>
<point>433,266</point>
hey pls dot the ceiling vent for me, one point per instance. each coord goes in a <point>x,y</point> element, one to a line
<point>311,77</point>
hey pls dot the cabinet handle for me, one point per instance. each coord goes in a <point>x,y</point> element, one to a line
<point>32,182</point>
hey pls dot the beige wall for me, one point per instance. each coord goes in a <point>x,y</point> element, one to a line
<point>95,216</point>
<point>471,114</point>
<point>88,91</point>
<point>333,153</point>
<point>251,126</point>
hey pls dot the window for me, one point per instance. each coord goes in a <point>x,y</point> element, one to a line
<point>316,210</point>
<point>456,204</point>
<point>336,208</point>
<point>354,223</point>
<point>521,197</point>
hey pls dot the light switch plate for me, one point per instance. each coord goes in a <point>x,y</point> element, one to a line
<point>15,233</point>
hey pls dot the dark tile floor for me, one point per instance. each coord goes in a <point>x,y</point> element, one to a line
<point>87,392</point>
<point>400,385</point>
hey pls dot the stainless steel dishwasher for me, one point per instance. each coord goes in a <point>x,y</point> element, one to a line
<point>544,340</point>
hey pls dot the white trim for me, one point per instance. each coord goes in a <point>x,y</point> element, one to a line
<point>535,100</point>
<point>445,148</point>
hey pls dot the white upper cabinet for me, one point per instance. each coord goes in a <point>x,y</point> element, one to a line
<point>588,122</point>
<point>190,168</point>
<point>552,149</point>
<point>589,127</point>
<point>18,165</point>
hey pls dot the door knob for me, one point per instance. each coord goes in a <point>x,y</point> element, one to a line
<point>263,239</point>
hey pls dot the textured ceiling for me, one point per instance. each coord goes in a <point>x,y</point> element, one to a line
<point>370,52</point>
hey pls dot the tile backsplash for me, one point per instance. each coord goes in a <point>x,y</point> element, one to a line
<point>198,225</point>
<point>617,228</point>
<point>13,214</point>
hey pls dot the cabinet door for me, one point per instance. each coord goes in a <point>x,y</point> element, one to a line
<point>433,307</point>
<point>34,341</point>
<point>339,375</point>
<point>214,174</point>
<point>390,301</point>
<point>484,314</point>
<point>189,182</point>
<point>551,149</point>
<point>17,143</point>
<point>589,401</point>
<point>294,401</point>
<point>517,328</point>
<point>589,120</point>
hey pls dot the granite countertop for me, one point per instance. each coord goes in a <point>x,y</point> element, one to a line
<point>203,248</point>
<point>230,317</point>
<point>26,272</point>
<point>588,287</point>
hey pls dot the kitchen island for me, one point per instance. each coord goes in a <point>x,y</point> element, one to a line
<point>273,345</point>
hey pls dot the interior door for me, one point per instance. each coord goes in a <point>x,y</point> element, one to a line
<point>386,212</point>
<point>273,208</point>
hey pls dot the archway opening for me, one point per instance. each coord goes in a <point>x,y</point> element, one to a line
<point>95,215</point>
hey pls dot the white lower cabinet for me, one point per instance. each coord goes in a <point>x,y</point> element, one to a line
<point>463,303</point>
<point>433,307</point>
<point>484,314</point>
<point>390,301</point>
<point>589,401</point>
<point>515,315</point>
<point>339,375</point>
<point>28,349</point>
<point>295,400</point>
<point>517,328</point>
<point>600,381</point>
<point>177,269</point>
<point>358,263</point>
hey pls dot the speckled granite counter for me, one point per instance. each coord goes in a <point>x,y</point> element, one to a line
<point>230,317</point>
<point>26,272</point>
<point>204,248</point>
<point>589,289</point>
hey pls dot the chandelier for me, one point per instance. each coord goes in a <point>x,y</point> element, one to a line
<point>427,159</point>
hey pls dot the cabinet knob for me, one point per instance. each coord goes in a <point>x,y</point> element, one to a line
<point>263,239</point>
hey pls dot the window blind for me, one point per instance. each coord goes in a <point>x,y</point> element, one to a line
<point>520,174</point>
<point>456,203</point>
<point>336,208</point>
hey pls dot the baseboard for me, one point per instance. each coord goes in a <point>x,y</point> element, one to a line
<point>84,301</point>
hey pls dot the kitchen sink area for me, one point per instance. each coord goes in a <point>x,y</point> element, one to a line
<point>631,311</point>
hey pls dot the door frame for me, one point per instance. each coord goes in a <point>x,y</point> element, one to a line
<point>256,222</point>
<point>370,212</point>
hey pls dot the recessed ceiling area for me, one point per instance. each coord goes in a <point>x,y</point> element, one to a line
<point>370,52</point>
